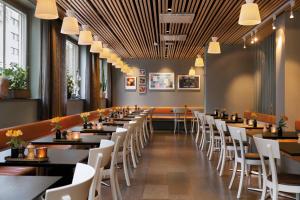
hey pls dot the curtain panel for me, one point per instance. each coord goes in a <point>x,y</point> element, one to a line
<point>265,75</point>
<point>53,71</point>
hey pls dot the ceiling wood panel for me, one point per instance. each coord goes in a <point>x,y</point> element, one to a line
<point>131,27</point>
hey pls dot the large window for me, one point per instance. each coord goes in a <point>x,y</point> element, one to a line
<point>12,36</point>
<point>73,71</point>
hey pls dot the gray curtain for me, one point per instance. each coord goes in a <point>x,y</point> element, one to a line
<point>265,75</point>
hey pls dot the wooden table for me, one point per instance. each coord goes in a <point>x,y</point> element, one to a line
<point>57,158</point>
<point>119,124</point>
<point>25,187</point>
<point>106,130</point>
<point>91,140</point>
<point>242,125</point>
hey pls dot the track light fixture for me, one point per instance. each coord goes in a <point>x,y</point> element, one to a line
<point>273,23</point>
<point>292,13</point>
<point>244,39</point>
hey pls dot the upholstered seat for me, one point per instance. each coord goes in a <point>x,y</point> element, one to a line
<point>252,156</point>
<point>16,171</point>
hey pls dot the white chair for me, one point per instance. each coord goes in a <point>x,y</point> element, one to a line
<point>214,137</point>
<point>194,118</point>
<point>226,145</point>
<point>103,152</point>
<point>205,130</point>
<point>239,138</point>
<point>199,125</point>
<point>78,190</point>
<point>179,116</point>
<point>111,171</point>
<point>275,182</point>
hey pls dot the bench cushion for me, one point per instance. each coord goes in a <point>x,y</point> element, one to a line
<point>16,171</point>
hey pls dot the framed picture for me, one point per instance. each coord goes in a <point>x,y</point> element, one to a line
<point>142,89</point>
<point>142,72</point>
<point>142,80</point>
<point>130,83</point>
<point>161,81</point>
<point>186,82</point>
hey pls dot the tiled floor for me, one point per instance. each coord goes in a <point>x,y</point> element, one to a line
<point>172,169</point>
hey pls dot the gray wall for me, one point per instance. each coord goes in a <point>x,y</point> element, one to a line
<point>121,96</point>
<point>16,112</point>
<point>75,106</point>
<point>230,80</point>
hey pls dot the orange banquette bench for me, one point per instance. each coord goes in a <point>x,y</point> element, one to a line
<point>36,130</point>
<point>270,119</point>
<point>297,125</point>
<point>167,112</point>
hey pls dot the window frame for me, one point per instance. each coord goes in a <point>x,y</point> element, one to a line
<point>73,41</point>
<point>23,37</point>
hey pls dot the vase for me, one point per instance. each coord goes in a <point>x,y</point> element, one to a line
<point>279,132</point>
<point>85,125</point>
<point>17,152</point>
<point>58,134</point>
<point>254,123</point>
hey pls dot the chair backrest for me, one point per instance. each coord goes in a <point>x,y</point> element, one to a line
<point>268,149</point>
<point>221,126</point>
<point>106,148</point>
<point>95,158</point>
<point>238,134</point>
<point>211,122</point>
<point>78,190</point>
<point>179,110</point>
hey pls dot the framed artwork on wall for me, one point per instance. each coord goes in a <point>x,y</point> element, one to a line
<point>130,83</point>
<point>161,81</point>
<point>187,82</point>
<point>142,80</point>
<point>142,89</point>
<point>142,72</point>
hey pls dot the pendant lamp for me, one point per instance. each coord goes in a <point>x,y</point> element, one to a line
<point>192,71</point>
<point>214,46</point>
<point>96,45</point>
<point>199,61</point>
<point>46,9</point>
<point>85,36</point>
<point>70,24</point>
<point>105,53</point>
<point>249,14</point>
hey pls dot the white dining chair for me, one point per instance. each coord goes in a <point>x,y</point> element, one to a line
<point>205,131</point>
<point>276,182</point>
<point>194,119</point>
<point>78,189</point>
<point>242,157</point>
<point>95,158</point>
<point>214,137</point>
<point>179,117</point>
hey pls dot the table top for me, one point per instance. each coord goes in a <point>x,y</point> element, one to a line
<point>115,123</point>
<point>92,140</point>
<point>123,119</point>
<point>290,148</point>
<point>57,158</point>
<point>106,130</point>
<point>25,187</point>
<point>285,135</point>
<point>239,121</point>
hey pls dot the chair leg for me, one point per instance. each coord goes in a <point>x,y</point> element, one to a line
<point>203,140</point>
<point>132,152</point>
<point>125,168</point>
<point>185,129</point>
<point>233,174</point>
<point>212,148</point>
<point>117,186</point>
<point>113,185</point>
<point>264,191</point>
<point>197,136</point>
<point>241,180</point>
<point>220,158</point>
<point>192,125</point>
<point>175,125</point>
<point>223,162</point>
<point>259,176</point>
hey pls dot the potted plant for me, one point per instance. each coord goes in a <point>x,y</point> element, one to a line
<point>85,119</point>
<point>70,86</point>
<point>55,122</point>
<point>281,124</point>
<point>18,81</point>
<point>4,84</point>
<point>17,145</point>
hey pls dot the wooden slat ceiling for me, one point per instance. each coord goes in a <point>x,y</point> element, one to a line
<point>131,27</point>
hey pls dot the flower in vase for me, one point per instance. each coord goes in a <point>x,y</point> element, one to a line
<point>15,139</point>
<point>55,122</point>
<point>85,117</point>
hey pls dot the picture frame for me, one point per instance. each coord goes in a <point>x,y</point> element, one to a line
<point>161,81</point>
<point>187,82</point>
<point>142,72</point>
<point>142,89</point>
<point>142,80</point>
<point>130,83</point>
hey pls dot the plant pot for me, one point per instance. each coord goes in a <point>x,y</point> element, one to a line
<point>17,152</point>
<point>255,123</point>
<point>279,132</point>
<point>4,84</point>
<point>85,126</point>
<point>58,134</point>
<point>20,94</point>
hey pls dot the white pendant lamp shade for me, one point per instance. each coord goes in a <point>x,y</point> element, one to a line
<point>70,24</point>
<point>199,61</point>
<point>105,53</point>
<point>214,46</point>
<point>249,14</point>
<point>46,9</point>
<point>96,45</point>
<point>192,71</point>
<point>85,36</point>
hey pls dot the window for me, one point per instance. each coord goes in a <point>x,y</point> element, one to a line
<point>12,36</point>
<point>73,71</point>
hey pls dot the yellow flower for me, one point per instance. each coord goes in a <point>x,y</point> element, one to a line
<point>84,115</point>
<point>8,133</point>
<point>13,133</point>
<point>56,120</point>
